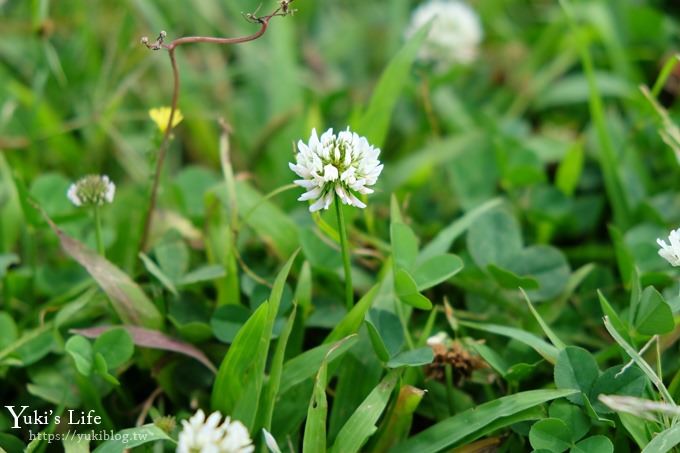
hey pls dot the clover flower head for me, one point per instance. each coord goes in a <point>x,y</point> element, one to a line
<point>92,190</point>
<point>344,164</point>
<point>166,423</point>
<point>671,253</point>
<point>201,435</point>
<point>454,36</point>
<point>161,115</point>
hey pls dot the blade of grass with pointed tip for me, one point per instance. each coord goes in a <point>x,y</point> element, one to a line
<point>546,350</point>
<point>449,432</point>
<point>607,155</point>
<point>270,223</point>
<point>240,367</point>
<point>639,361</point>
<point>554,339</point>
<point>271,390</point>
<point>445,238</point>
<point>609,311</point>
<point>664,441</point>
<point>303,291</point>
<point>665,72</point>
<point>303,367</point>
<point>354,319</point>
<point>375,121</point>
<point>248,397</point>
<point>361,425</point>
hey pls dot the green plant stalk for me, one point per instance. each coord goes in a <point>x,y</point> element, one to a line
<point>98,230</point>
<point>344,245</point>
<point>639,361</point>
<point>664,74</point>
<point>606,154</point>
<point>399,308</point>
<point>448,372</point>
<point>608,161</point>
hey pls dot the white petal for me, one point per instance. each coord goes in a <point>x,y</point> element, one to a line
<point>305,183</point>
<point>271,442</point>
<point>316,206</point>
<point>330,173</point>
<point>356,202</point>
<point>343,195</point>
<point>328,200</point>
<point>213,419</point>
<point>110,192</point>
<point>72,195</point>
<point>310,195</point>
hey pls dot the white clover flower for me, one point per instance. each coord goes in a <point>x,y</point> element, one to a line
<point>208,436</point>
<point>92,190</point>
<point>342,164</point>
<point>439,339</point>
<point>671,253</point>
<point>454,36</point>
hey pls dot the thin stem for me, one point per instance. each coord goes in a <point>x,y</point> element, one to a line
<point>666,71</point>
<point>606,154</point>
<point>399,308</point>
<point>98,230</point>
<point>162,150</point>
<point>448,375</point>
<point>342,229</point>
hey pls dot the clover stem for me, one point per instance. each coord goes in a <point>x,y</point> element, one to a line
<point>98,230</point>
<point>448,375</point>
<point>344,245</point>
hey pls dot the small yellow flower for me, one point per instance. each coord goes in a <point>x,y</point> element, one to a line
<point>161,116</point>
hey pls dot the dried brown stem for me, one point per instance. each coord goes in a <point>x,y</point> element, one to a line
<point>282,10</point>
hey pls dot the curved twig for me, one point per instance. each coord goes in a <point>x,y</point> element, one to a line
<point>282,10</point>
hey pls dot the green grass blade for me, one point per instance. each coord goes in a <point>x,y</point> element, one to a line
<point>399,422</point>
<point>361,425</point>
<point>270,223</point>
<point>303,367</point>
<point>272,388</point>
<point>545,349</point>
<point>240,365</point>
<point>133,437</point>
<point>375,122</point>
<point>607,154</point>
<point>240,378</point>
<point>664,441</point>
<point>666,71</point>
<point>315,428</point>
<point>554,339</point>
<point>447,433</point>
<point>352,321</point>
<point>639,361</point>
<point>444,239</point>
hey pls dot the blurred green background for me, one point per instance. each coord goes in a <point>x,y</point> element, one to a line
<point>76,86</point>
